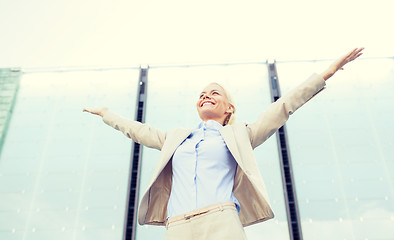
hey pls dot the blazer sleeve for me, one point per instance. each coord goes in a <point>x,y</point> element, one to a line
<point>278,112</point>
<point>139,132</point>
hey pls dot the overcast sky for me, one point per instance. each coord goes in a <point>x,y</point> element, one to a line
<point>50,33</point>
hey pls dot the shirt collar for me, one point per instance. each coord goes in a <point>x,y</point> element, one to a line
<point>210,124</point>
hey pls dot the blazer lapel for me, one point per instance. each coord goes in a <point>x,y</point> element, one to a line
<point>228,136</point>
<point>174,140</point>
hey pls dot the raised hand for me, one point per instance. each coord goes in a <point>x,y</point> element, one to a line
<point>96,111</point>
<point>341,62</point>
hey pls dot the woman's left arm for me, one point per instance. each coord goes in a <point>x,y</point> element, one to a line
<point>278,112</point>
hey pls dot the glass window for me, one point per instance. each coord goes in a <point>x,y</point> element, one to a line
<point>342,151</point>
<point>172,96</point>
<point>9,85</point>
<point>64,173</point>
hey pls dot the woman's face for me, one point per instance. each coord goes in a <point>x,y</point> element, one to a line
<point>213,104</point>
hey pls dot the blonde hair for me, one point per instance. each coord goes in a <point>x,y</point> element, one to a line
<point>230,119</point>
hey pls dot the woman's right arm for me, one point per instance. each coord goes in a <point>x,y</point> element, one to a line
<point>139,132</point>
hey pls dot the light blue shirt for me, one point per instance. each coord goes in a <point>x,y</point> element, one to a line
<point>203,171</point>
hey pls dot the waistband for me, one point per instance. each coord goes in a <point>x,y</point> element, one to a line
<point>199,212</point>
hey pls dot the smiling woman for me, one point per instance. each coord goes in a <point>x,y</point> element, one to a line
<point>215,103</point>
<point>207,184</point>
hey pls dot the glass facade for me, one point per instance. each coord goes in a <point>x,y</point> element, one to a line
<point>9,85</point>
<point>342,151</point>
<point>63,175</point>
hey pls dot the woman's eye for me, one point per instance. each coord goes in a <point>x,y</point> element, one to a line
<point>215,93</point>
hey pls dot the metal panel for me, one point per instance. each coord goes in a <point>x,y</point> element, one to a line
<point>285,162</point>
<point>135,170</point>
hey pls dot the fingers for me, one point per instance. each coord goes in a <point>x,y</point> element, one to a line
<point>351,53</point>
<point>97,111</point>
<point>90,111</point>
<point>357,52</point>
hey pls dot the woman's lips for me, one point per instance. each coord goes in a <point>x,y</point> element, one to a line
<point>207,102</point>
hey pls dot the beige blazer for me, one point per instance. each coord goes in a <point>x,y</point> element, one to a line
<point>241,139</point>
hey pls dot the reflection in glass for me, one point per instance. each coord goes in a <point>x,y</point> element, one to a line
<point>64,173</point>
<point>341,145</point>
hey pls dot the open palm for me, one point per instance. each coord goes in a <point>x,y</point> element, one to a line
<point>341,62</point>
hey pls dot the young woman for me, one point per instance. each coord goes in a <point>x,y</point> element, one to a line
<point>207,184</point>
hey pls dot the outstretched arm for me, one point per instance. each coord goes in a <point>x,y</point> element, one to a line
<point>139,132</point>
<point>341,62</point>
<point>278,112</point>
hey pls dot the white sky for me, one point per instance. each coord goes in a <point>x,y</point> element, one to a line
<point>47,33</point>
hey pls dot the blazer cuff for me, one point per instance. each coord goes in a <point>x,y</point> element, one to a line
<point>318,82</point>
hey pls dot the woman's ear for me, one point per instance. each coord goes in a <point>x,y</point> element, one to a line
<point>230,109</point>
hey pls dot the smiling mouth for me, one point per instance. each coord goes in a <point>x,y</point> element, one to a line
<point>207,102</point>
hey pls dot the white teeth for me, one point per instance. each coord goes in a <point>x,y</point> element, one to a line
<point>206,103</point>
